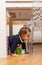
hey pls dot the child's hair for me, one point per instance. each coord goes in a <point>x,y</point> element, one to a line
<point>24,30</point>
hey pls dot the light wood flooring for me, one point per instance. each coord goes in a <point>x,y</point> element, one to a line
<point>28,59</point>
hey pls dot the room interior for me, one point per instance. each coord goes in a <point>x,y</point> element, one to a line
<point>16,17</point>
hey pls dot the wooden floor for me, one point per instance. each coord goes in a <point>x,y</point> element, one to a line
<point>27,59</point>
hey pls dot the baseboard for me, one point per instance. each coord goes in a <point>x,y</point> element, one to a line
<point>37,43</point>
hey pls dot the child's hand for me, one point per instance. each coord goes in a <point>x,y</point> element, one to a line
<point>15,55</point>
<point>19,45</point>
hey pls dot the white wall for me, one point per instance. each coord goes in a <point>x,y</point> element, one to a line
<point>16,29</point>
<point>3,46</point>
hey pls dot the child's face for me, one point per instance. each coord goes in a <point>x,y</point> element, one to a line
<point>26,37</point>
